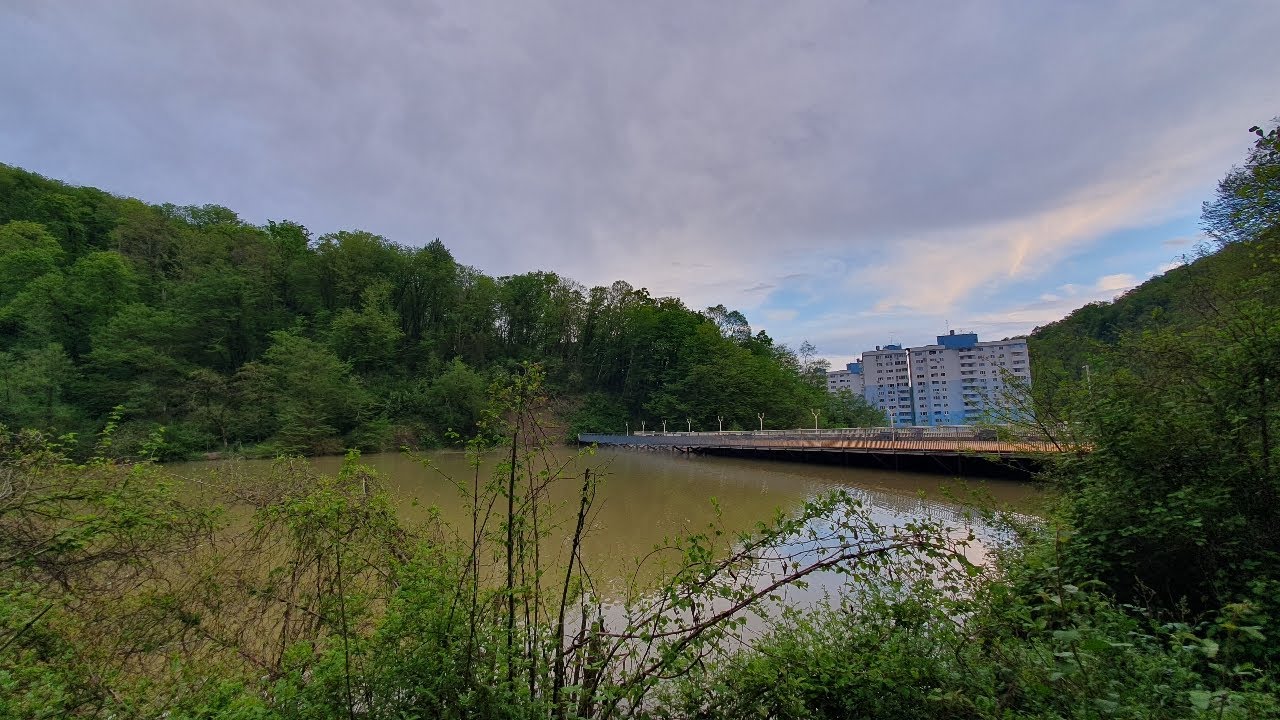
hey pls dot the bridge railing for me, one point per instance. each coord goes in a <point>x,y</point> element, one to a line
<point>960,433</point>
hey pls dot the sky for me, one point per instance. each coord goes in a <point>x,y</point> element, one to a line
<point>851,173</point>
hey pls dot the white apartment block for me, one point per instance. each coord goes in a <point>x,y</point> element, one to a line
<point>848,379</point>
<point>887,383</point>
<point>956,381</point>
<point>994,378</point>
<point>960,381</point>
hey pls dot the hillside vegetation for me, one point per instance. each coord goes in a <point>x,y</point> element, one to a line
<point>230,335</point>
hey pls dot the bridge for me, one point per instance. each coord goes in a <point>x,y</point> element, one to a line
<point>922,448</point>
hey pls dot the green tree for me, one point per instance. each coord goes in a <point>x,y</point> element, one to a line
<point>148,238</point>
<point>27,251</point>
<point>1247,203</point>
<point>425,292</point>
<point>456,399</point>
<point>731,323</point>
<point>292,270</point>
<point>844,409</point>
<point>349,260</point>
<point>68,307</point>
<point>98,286</point>
<point>225,317</point>
<point>34,385</point>
<point>311,395</point>
<point>210,403</point>
<point>135,361</point>
<point>370,338</point>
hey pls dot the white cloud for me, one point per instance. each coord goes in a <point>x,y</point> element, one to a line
<point>1119,281</point>
<point>1020,319</point>
<point>944,268</point>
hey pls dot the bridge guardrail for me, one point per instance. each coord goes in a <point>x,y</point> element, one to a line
<point>743,436</point>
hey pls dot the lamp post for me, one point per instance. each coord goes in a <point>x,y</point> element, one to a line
<point>761,416</point>
<point>720,419</point>
<point>689,422</point>
<point>641,426</point>
<point>664,427</point>
<point>815,414</point>
<point>628,428</point>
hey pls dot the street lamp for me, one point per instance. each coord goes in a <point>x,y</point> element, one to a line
<point>641,426</point>
<point>761,416</point>
<point>720,419</point>
<point>664,427</point>
<point>628,428</point>
<point>815,414</point>
<point>689,422</point>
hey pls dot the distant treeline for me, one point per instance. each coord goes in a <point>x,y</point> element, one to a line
<point>232,335</point>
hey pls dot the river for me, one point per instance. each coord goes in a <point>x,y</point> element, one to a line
<point>649,496</point>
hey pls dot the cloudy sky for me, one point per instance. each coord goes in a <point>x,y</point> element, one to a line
<point>849,172</point>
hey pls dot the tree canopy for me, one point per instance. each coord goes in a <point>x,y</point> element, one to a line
<point>230,335</point>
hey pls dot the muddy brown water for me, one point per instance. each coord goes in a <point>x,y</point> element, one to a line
<point>647,497</point>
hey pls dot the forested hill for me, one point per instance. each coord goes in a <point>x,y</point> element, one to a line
<point>1181,299</point>
<point>1236,265</point>
<point>1163,299</point>
<point>231,335</point>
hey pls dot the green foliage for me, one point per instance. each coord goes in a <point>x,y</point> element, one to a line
<point>173,311</point>
<point>1247,204</point>
<point>598,412</point>
<point>1024,644</point>
<point>83,549</point>
<point>309,395</point>
<point>314,601</point>
<point>1175,505</point>
<point>1172,504</point>
<point>844,409</point>
<point>27,251</point>
<point>367,339</point>
<point>456,399</point>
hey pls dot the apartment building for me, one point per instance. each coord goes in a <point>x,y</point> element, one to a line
<point>848,379</point>
<point>960,380</point>
<point>887,383</point>
<point>994,378</point>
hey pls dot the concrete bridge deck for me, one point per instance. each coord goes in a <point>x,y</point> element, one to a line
<point>942,441</point>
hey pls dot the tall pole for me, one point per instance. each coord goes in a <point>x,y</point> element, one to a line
<point>720,419</point>
<point>689,422</point>
<point>641,426</point>
<point>628,428</point>
<point>761,416</point>
<point>664,427</point>
<point>815,414</point>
